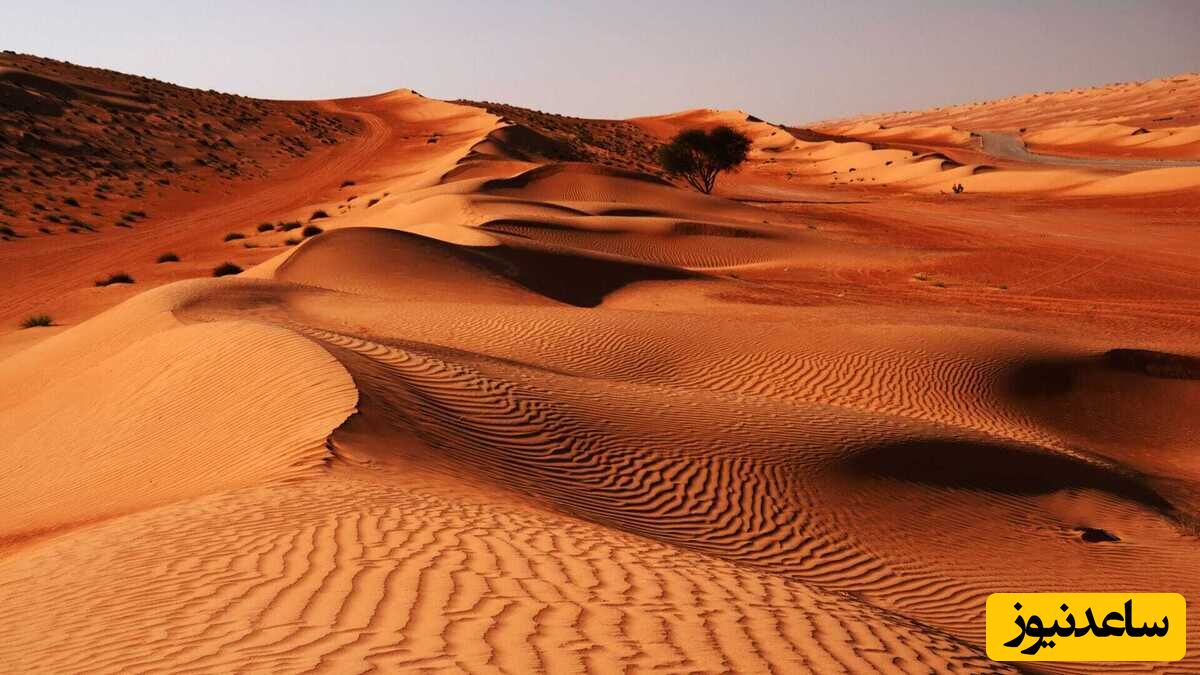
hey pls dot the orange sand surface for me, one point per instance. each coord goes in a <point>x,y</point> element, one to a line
<point>517,403</point>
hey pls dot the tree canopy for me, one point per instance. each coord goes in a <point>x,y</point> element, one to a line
<point>698,156</point>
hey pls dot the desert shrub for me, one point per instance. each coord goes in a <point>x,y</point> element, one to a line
<point>7,231</point>
<point>118,278</point>
<point>71,201</point>
<point>225,269</point>
<point>37,320</point>
<point>347,183</point>
<point>289,225</point>
<point>698,156</point>
<point>265,227</point>
<point>318,214</point>
<point>292,241</point>
<point>312,231</point>
<point>168,257</point>
<point>234,235</point>
<point>371,203</point>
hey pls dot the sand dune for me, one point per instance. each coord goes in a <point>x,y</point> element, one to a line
<point>1141,127</point>
<point>523,405</point>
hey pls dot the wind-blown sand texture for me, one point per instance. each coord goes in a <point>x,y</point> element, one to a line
<point>510,413</point>
<point>1148,127</point>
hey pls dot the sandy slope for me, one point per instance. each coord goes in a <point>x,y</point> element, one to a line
<point>1145,127</point>
<point>862,155</point>
<point>512,415</point>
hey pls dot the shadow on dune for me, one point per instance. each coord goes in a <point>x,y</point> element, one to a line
<point>997,467</point>
<point>1154,364</point>
<point>384,262</point>
<point>576,279</point>
<point>1054,377</point>
<point>1044,377</point>
<point>631,212</point>
<point>571,168</point>
<point>682,228</point>
<point>527,145</point>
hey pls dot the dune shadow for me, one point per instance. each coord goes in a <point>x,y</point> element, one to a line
<point>384,260</point>
<point>574,169</point>
<point>1154,364</point>
<point>1055,377</point>
<point>998,467</point>
<point>1043,377</point>
<point>575,279</point>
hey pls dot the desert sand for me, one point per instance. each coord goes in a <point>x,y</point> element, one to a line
<point>517,403</point>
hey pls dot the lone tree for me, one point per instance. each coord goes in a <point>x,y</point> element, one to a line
<point>698,156</point>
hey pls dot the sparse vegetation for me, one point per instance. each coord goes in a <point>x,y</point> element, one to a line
<point>289,226</point>
<point>292,241</point>
<point>118,278</point>
<point>265,227</point>
<point>168,258</point>
<point>68,153</point>
<point>613,143</point>
<point>699,157</point>
<point>318,214</point>
<point>372,202</point>
<point>37,320</point>
<point>226,269</point>
<point>347,183</point>
<point>958,188</point>
<point>234,236</point>
<point>312,231</point>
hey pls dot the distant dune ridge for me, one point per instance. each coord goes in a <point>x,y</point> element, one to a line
<point>517,403</point>
<point>1148,126</point>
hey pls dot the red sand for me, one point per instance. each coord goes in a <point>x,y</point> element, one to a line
<point>508,413</point>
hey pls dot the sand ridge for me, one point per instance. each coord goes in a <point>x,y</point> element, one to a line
<point>1145,127</point>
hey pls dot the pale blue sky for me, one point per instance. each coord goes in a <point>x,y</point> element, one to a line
<point>783,61</point>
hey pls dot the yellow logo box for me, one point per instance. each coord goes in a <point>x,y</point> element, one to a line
<point>1086,626</point>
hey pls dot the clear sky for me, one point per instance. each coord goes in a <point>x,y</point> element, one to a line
<point>786,61</point>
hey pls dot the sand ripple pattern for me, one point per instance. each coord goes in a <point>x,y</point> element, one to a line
<point>343,576</point>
